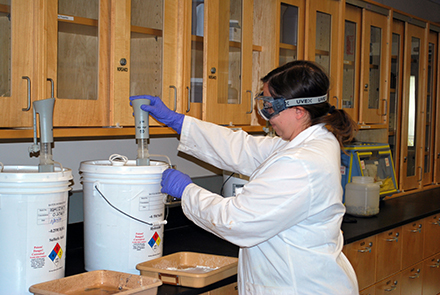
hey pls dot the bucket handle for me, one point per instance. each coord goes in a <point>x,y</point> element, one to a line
<point>3,166</point>
<point>169,161</point>
<point>96,184</point>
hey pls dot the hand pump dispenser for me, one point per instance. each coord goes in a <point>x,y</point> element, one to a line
<point>44,108</point>
<point>142,132</point>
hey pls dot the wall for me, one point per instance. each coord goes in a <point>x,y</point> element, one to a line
<point>425,9</point>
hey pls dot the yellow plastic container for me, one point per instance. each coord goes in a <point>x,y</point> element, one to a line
<point>190,269</point>
<point>99,282</point>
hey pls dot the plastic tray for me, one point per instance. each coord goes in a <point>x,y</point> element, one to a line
<point>99,282</point>
<point>189,269</point>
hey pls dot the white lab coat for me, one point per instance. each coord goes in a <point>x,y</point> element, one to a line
<point>286,220</point>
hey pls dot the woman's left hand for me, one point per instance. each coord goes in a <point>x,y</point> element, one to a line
<point>174,182</point>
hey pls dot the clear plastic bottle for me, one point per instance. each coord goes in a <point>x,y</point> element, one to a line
<point>362,196</point>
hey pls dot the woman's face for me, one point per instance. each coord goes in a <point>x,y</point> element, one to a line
<point>288,123</point>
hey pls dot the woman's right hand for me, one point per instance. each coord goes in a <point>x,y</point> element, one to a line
<point>161,112</point>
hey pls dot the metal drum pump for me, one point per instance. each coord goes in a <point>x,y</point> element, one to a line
<point>44,108</point>
<point>142,131</point>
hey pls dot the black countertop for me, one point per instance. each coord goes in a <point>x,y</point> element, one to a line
<point>181,235</point>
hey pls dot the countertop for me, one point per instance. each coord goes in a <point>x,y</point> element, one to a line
<point>182,235</point>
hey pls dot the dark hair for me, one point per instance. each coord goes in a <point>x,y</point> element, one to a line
<point>304,78</point>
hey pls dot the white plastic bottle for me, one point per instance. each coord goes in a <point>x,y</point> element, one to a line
<point>362,196</point>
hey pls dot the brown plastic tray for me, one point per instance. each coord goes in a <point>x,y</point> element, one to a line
<point>99,282</point>
<point>190,269</point>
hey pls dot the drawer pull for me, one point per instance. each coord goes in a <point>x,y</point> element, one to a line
<point>365,250</point>
<point>392,288</point>
<point>416,275</point>
<point>396,239</point>
<point>436,265</point>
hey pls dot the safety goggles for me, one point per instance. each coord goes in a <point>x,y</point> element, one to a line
<point>268,106</point>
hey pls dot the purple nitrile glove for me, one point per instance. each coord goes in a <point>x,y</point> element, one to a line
<point>161,112</point>
<point>174,182</point>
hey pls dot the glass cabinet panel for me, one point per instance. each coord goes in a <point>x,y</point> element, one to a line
<point>412,108</point>
<point>323,40</point>
<point>77,68</point>
<point>5,48</point>
<point>234,37</point>
<point>349,80</point>
<point>196,89</point>
<point>395,98</point>
<point>146,47</point>
<point>375,60</point>
<point>288,33</point>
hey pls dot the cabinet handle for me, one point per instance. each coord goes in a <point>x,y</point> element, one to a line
<point>337,101</point>
<point>386,107</point>
<point>366,249</point>
<point>52,92</point>
<point>175,97</point>
<point>395,239</point>
<point>418,230</point>
<point>252,102</point>
<point>416,274</point>
<point>189,99</point>
<point>29,94</point>
<point>436,265</point>
<point>392,288</point>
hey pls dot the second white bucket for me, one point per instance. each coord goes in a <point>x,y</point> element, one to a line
<point>123,214</point>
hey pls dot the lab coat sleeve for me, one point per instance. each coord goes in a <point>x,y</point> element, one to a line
<point>272,202</point>
<point>234,151</point>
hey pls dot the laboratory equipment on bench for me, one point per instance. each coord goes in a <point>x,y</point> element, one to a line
<point>142,132</point>
<point>369,159</point>
<point>362,196</point>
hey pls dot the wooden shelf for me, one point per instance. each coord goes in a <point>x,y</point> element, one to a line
<point>322,52</point>
<point>233,44</point>
<point>141,32</point>
<point>5,9</point>
<point>288,46</point>
<point>77,20</point>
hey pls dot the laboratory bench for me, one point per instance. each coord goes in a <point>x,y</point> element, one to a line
<point>180,234</point>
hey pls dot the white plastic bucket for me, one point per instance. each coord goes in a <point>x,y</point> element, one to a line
<point>362,196</point>
<point>33,223</point>
<point>112,240</point>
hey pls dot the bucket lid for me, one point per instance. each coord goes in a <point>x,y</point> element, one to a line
<point>107,167</point>
<point>31,174</point>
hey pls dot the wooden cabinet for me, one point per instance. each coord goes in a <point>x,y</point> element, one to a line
<point>412,243</point>
<point>227,62</point>
<point>19,47</point>
<point>323,40</point>
<point>352,58</point>
<point>414,86</point>
<point>431,235</point>
<point>395,98</point>
<point>392,262</point>
<point>230,289</point>
<point>101,52</point>
<point>375,69</point>
<point>431,269</point>
<point>389,251</point>
<point>411,280</point>
<point>362,256</point>
<point>290,36</point>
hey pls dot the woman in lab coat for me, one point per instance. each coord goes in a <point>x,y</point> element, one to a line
<point>287,218</point>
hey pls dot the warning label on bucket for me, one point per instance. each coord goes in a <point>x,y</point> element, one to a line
<point>154,241</point>
<point>54,213</point>
<point>139,242</point>
<point>37,257</point>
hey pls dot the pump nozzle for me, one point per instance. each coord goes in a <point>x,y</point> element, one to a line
<point>142,131</point>
<point>45,110</point>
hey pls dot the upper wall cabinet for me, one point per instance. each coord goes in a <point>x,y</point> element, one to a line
<point>100,52</point>
<point>290,36</point>
<point>77,61</point>
<point>227,61</point>
<point>375,52</point>
<point>414,89</point>
<point>323,40</point>
<point>17,61</point>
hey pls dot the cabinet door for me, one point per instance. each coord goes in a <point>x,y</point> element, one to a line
<point>374,72</point>
<point>77,61</point>
<point>388,286</point>
<point>413,89</point>
<point>323,40</point>
<point>18,25</point>
<point>412,280</point>
<point>431,275</point>
<point>351,72</point>
<point>369,291</point>
<point>227,76</point>
<point>429,108</point>
<point>395,100</point>
<point>362,256</point>
<point>431,235</point>
<point>389,249</point>
<point>290,37</point>
<point>412,243</point>
<point>142,34</point>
